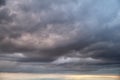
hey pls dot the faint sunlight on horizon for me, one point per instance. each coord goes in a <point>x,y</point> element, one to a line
<point>31,76</point>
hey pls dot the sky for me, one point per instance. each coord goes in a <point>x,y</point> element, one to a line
<point>23,76</point>
<point>60,36</point>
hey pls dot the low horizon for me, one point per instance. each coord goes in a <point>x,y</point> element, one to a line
<point>31,76</point>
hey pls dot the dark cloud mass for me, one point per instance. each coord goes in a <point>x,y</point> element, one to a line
<point>62,35</point>
<point>2,2</point>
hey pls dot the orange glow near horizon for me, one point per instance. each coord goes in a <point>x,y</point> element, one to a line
<point>30,76</point>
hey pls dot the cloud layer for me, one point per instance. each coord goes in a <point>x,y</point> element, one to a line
<point>64,35</point>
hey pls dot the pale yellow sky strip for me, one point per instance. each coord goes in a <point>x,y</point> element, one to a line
<point>19,76</point>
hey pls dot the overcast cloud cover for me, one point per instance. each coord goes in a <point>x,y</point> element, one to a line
<point>77,36</point>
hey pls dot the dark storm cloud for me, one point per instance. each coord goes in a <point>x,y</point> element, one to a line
<point>2,2</point>
<point>4,16</point>
<point>63,33</point>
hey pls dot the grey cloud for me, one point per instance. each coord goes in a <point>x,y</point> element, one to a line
<point>11,66</point>
<point>5,16</point>
<point>46,30</point>
<point>2,2</point>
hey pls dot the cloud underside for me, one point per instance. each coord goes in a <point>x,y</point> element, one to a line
<point>62,35</point>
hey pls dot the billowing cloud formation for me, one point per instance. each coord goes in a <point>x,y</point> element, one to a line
<point>64,35</point>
